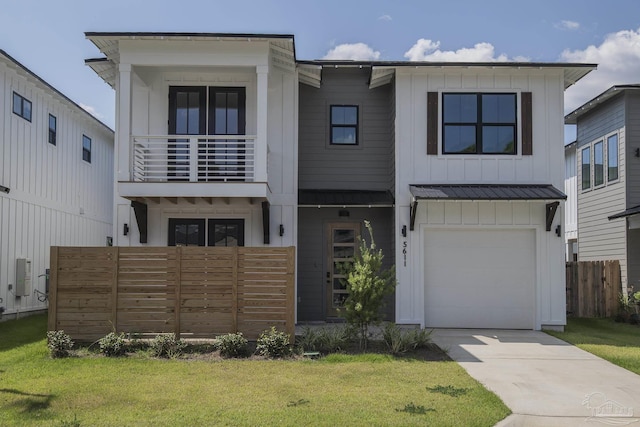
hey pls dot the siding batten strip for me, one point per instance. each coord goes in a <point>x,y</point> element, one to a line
<point>53,289</point>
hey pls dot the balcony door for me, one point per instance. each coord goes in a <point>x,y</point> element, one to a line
<point>187,116</point>
<point>194,110</point>
<point>224,159</point>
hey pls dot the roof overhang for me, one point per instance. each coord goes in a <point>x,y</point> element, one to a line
<point>627,213</point>
<point>282,47</point>
<point>345,198</point>
<point>494,192</point>
<point>572,117</point>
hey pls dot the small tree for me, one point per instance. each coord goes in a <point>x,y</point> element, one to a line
<point>368,285</point>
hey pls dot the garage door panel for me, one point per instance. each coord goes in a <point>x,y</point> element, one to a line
<point>479,278</point>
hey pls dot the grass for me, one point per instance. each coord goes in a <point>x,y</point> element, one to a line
<point>365,390</point>
<point>619,343</point>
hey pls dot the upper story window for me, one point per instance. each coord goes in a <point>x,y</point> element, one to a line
<point>586,168</point>
<point>344,124</point>
<point>21,106</point>
<point>479,123</point>
<point>598,164</point>
<point>612,157</point>
<point>53,129</point>
<point>86,148</point>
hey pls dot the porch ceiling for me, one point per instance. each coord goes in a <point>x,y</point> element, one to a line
<point>346,198</point>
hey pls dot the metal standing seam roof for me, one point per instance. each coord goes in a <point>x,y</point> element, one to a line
<point>345,198</point>
<point>631,211</point>
<point>486,192</point>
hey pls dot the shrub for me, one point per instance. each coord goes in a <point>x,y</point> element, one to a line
<point>232,345</point>
<point>274,344</point>
<point>167,345</point>
<point>368,285</point>
<point>58,344</point>
<point>325,340</point>
<point>112,344</point>
<point>400,340</point>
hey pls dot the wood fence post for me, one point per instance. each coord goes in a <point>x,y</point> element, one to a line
<point>234,289</point>
<point>178,285</point>
<point>115,266</point>
<point>291,301</point>
<point>53,289</point>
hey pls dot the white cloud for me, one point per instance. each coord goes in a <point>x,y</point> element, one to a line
<point>91,110</point>
<point>618,59</point>
<point>385,18</point>
<point>353,51</point>
<point>428,50</point>
<point>567,25</point>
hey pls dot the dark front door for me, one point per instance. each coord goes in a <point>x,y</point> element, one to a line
<point>342,245</point>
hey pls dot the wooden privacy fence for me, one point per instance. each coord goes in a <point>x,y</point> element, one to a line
<point>593,288</point>
<point>195,292</point>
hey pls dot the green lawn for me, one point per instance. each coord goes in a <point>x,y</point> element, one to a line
<point>618,343</point>
<point>365,390</point>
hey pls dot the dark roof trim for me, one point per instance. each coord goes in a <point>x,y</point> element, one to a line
<point>486,192</point>
<point>330,62</point>
<point>187,34</point>
<point>631,211</point>
<point>572,117</point>
<point>346,198</point>
<point>28,71</point>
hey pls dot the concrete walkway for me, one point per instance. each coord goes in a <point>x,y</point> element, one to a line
<point>543,380</point>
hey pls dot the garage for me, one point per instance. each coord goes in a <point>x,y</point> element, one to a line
<point>479,278</point>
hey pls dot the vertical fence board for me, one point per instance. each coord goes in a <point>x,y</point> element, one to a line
<point>593,288</point>
<point>177,304</point>
<point>114,287</point>
<point>53,290</point>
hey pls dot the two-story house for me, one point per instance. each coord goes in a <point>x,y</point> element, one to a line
<point>608,179</point>
<point>457,165</point>
<point>56,183</point>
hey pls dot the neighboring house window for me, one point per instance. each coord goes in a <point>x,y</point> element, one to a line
<point>586,168</point>
<point>53,129</point>
<point>612,157</point>
<point>598,164</point>
<point>479,123</point>
<point>21,106</point>
<point>344,124</point>
<point>86,148</point>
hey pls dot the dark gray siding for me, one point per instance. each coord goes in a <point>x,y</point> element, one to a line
<point>632,144</point>
<point>367,166</point>
<point>633,258</point>
<point>600,121</point>
<point>312,253</point>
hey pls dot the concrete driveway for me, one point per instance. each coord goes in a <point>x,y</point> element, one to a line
<point>543,380</point>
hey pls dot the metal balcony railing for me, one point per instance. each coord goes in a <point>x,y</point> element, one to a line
<point>193,158</point>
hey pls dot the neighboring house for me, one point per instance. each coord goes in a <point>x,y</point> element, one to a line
<point>457,165</point>
<point>56,182</point>
<point>571,205</point>
<point>608,155</point>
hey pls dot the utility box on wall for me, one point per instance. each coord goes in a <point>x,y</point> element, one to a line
<point>23,277</point>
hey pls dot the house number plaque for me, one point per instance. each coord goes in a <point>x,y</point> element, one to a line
<point>404,252</point>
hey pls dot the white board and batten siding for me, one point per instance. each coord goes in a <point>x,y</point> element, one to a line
<point>485,223</point>
<point>571,205</point>
<point>55,197</point>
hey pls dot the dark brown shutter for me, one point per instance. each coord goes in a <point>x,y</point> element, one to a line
<point>527,126</point>
<point>432,123</point>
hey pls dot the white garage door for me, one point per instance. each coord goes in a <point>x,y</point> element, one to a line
<point>479,278</point>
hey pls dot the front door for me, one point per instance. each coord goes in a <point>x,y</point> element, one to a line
<point>342,246</point>
<point>212,232</point>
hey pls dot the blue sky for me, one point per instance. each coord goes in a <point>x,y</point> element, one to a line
<point>48,36</point>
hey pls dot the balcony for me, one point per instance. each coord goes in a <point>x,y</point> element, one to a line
<point>190,166</point>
